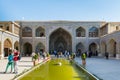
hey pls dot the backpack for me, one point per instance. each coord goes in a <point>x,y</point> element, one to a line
<point>19,57</point>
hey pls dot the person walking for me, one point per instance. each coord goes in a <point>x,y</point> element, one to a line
<point>44,55</point>
<point>83,57</point>
<point>73,56</point>
<point>55,53</point>
<point>107,55</point>
<point>68,55</point>
<point>10,62</point>
<point>65,53</point>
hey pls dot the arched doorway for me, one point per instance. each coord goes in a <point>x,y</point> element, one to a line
<point>7,47</point>
<point>79,49</point>
<point>93,49</point>
<point>27,49</point>
<point>16,45</point>
<point>112,48</point>
<point>60,40</point>
<point>40,47</point>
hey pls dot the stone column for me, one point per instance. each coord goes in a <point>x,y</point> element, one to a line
<point>87,39</point>
<point>33,39</point>
<point>73,35</point>
<point>13,27</point>
<point>2,45</point>
<point>12,44</point>
<point>20,39</point>
<point>117,51</point>
<point>73,44</point>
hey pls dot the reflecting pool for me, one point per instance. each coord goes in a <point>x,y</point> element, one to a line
<point>57,69</point>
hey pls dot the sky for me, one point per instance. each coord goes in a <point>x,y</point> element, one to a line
<point>45,10</point>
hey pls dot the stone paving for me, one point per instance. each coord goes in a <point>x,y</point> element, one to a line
<point>104,69</point>
<point>24,63</point>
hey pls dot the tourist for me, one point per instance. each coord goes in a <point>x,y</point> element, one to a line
<point>65,53</point>
<point>90,54</point>
<point>47,54</point>
<point>16,54</point>
<point>55,53</point>
<point>41,52</point>
<point>83,57</point>
<point>107,55</point>
<point>10,62</point>
<point>44,55</point>
<point>96,53</point>
<point>68,55</point>
<point>35,58</point>
<point>60,54</point>
<point>38,57</point>
<point>73,56</point>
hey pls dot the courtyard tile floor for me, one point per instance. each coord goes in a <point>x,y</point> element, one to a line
<point>104,69</point>
<point>24,63</point>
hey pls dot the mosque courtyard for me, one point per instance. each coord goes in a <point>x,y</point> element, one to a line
<point>102,68</point>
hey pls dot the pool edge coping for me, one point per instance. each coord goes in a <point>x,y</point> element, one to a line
<point>31,69</point>
<point>86,71</point>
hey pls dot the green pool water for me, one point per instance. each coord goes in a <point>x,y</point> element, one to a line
<point>52,71</point>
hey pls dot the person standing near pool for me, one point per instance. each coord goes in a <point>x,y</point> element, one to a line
<point>16,54</point>
<point>83,57</point>
<point>68,54</point>
<point>10,62</point>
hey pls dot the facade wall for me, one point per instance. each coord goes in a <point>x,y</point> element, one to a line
<point>112,27</point>
<point>108,39</point>
<point>69,27</point>
<point>7,35</point>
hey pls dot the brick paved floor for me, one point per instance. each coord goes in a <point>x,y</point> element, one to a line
<point>24,63</point>
<point>105,69</point>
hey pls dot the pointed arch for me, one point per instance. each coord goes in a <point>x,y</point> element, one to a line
<point>26,32</point>
<point>40,47</point>
<point>80,48</point>
<point>40,32</point>
<point>93,49</point>
<point>93,32</point>
<point>16,45</point>
<point>80,32</point>
<point>27,48</point>
<point>61,40</point>
<point>112,45</point>
<point>7,47</point>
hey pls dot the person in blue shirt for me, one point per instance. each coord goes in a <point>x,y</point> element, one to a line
<point>10,62</point>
